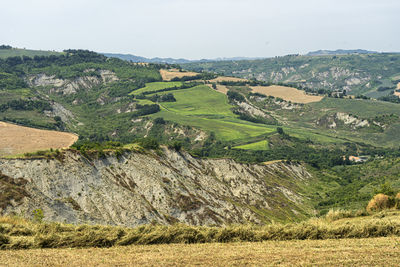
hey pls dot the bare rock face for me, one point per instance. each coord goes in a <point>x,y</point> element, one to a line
<point>168,187</point>
<point>71,86</point>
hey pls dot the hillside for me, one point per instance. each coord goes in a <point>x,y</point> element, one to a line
<point>373,75</point>
<point>166,187</point>
<point>7,51</point>
<point>223,122</point>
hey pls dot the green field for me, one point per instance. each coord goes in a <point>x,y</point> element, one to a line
<point>209,110</point>
<point>261,145</point>
<point>155,86</point>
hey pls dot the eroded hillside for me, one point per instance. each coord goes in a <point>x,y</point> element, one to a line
<point>166,187</point>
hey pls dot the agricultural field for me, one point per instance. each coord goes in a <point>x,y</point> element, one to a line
<point>383,251</point>
<point>168,75</point>
<point>17,52</point>
<point>287,93</point>
<point>372,239</point>
<point>228,79</point>
<point>155,86</point>
<point>18,139</point>
<point>261,145</point>
<point>220,88</point>
<point>209,110</point>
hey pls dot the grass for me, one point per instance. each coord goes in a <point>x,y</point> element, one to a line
<point>362,108</point>
<point>261,145</point>
<point>209,110</point>
<point>14,52</point>
<point>155,86</point>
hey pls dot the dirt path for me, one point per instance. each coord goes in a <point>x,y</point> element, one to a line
<point>16,139</point>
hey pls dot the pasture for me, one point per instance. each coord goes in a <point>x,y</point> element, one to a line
<point>209,110</point>
<point>155,86</point>
<point>261,145</point>
<point>19,139</point>
<point>287,93</point>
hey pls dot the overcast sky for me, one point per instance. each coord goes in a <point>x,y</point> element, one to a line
<point>196,29</point>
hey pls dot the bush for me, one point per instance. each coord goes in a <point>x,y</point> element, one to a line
<point>149,143</point>
<point>378,202</point>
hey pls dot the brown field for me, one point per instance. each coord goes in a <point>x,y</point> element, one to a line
<point>18,139</point>
<point>220,88</point>
<point>228,79</point>
<point>287,93</point>
<point>384,251</point>
<point>168,75</point>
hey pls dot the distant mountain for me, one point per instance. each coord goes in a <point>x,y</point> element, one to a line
<point>340,52</point>
<point>134,58</point>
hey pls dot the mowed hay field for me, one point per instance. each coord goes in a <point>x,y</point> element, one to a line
<point>19,139</point>
<point>287,93</point>
<point>168,75</point>
<point>383,251</point>
<point>228,79</point>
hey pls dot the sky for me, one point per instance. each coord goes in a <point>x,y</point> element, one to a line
<point>196,29</point>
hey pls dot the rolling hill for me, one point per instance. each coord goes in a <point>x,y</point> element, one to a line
<point>121,109</point>
<point>372,75</point>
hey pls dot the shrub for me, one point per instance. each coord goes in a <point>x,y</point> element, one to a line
<point>378,202</point>
<point>149,143</point>
<point>397,201</point>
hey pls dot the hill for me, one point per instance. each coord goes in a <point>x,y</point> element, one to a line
<point>134,58</point>
<point>372,75</point>
<point>115,106</point>
<point>339,52</point>
<point>8,51</point>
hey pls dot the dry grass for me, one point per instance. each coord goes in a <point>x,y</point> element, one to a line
<point>228,79</point>
<point>220,88</point>
<point>344,252</point>
<point>398,86</point>
<point>287,93</point>
<point>378,202</point>
<point>19,233</point>
<point>18,139</point>
<point>168,75</point>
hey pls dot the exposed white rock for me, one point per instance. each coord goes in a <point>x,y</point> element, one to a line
<point>139,188</point>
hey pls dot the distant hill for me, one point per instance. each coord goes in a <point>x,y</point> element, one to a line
<point>340,52</point>
<point>373,75</point>
<point>134,58</point>
<point>8,51</point>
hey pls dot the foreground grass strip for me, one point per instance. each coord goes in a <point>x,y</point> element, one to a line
<point>16,233</point>
<point>344,252</point>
